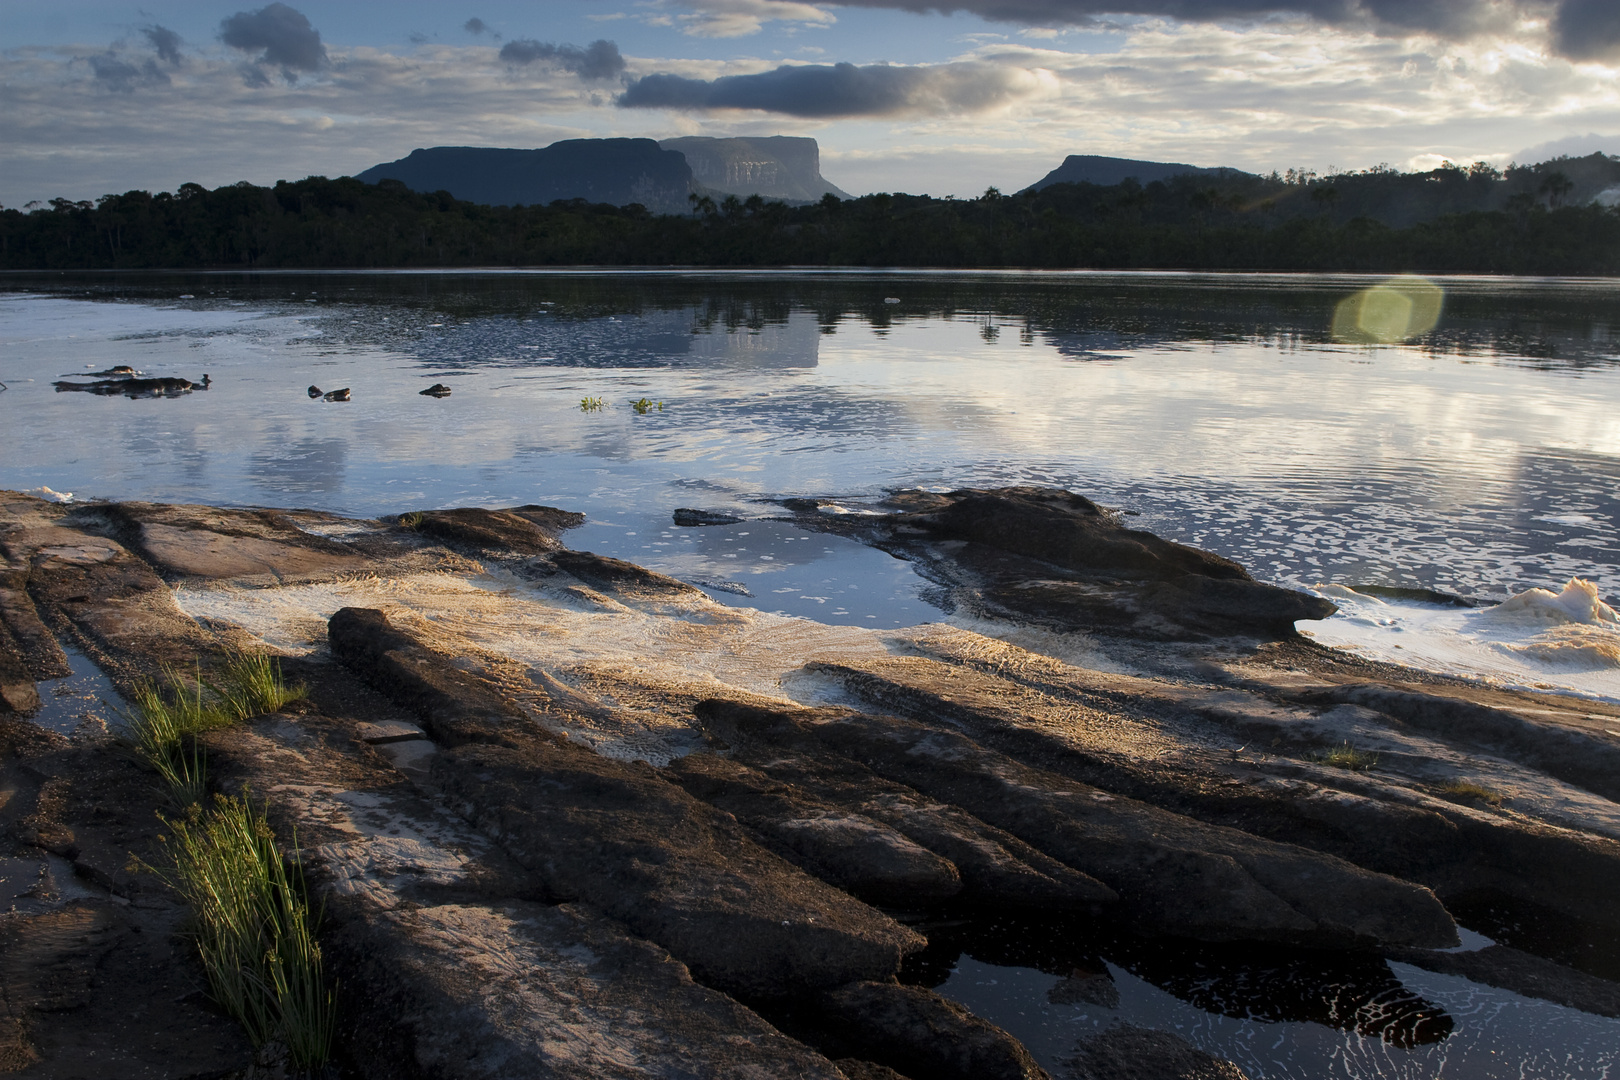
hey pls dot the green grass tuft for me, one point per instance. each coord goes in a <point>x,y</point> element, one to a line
<point>253,927</point>
<point>412,520</point>
<point>592,404</point>
<point>1345,756</point>
<point>1468,789</point>
<point>164,726</point>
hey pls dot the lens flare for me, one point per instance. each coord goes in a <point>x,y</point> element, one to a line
<point>1399,309</point>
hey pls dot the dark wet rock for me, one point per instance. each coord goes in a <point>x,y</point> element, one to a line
<point>997,869</point>
<point>117,371</point>
<point>17,691</point>
<point>1127,1052</point>
<point>438,390</point>
<point>1173,873</point>
<point>616,575</point>
<point>689,517</point>
<point>618,836</point>
<point>1522,973</point>
<point>133,387</point>
<point>315,391</point>
<point>802,506</point>
<point>858,854</point>
<point>922,1034</point>
<point>857,1069</point>
<point>336,395</point>
<point>1058,559</point>
<point>521,530</point>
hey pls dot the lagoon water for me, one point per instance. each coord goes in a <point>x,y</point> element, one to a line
<point>1480,459</point>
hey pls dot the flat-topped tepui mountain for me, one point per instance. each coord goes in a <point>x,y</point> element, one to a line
<point>618,171</point>
<point>1106,171</point>
<point>776,167</point>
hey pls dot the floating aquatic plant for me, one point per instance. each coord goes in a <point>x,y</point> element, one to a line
<point>646,405</point>
<point>592,404</point>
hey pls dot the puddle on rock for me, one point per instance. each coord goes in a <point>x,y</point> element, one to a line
<point>83,703</point>
<point>1278,1013</point>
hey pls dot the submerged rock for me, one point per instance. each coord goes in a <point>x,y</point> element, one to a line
<point>923,1034</point>
<point>436,390</point>
<point>132,387</point>
<point>1128,1052</point>
<point>692,518</point>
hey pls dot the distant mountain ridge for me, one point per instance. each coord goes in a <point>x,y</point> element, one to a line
<point>1107,171</point>
<point>773,167</point>
<point>617,171</point>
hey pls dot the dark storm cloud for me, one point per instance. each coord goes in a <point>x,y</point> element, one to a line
<point>598,60</point>
<point>166,42</point>
<point>282,37</point>
<point>839,90</point>
<point>1581,28</point>
<point>1588,29</point>
<point>123,76</point>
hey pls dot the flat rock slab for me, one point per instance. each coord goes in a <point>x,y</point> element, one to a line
<point>1127,1052</point>
<point>522,530</point>
<point>200,554</point>
<point>923,1034</point>
<point>524,990</point>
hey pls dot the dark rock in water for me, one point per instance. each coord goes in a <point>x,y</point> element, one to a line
<point>1057,558</point>
<point>618,836</point>
<point>1086,988</point>
<point>867,858</point>
<point>1174,874</point>
<point>857,1069</point>
<point>336,395</point>
<point>438,389</point>
<point>1127,1052</point>
<point>131,387</point>
<point>117,371</point>
<point>691,518</point>
<point>1419,596</point>
<point>315,391</point>
<point>522,530</point>
<point>802,505</point>
<point>616,575</point>
<point>922,1034</point>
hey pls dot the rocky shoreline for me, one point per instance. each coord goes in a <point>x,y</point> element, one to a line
<point>568,816</point>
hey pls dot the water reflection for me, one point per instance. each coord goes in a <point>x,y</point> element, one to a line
<point>1246,981</point>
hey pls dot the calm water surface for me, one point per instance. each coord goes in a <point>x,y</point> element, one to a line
<point>1481,459</point>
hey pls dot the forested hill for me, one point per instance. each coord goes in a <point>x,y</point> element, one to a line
<point>1189,222</point>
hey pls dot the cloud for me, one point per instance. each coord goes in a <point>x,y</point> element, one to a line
<point>598,60</point>
<point>475,26</point>
<point>123,76</point>
<point>1571,146</point>
<point>1580,29</point>
<point>166,42</point>
<point>282,37</point>
<point>839,90</point>
<point>1588,29</point>
<point>738,18</point>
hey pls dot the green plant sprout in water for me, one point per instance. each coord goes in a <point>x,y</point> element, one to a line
<point>646,405</point>
<point>1345,756</point>
<point>592,404</point>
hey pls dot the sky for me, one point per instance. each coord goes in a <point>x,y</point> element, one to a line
<point>945,98</point>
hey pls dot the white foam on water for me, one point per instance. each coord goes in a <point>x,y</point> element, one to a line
<point>1567,641</point>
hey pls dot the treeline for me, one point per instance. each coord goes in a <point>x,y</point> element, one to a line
<point>1245,223</point>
